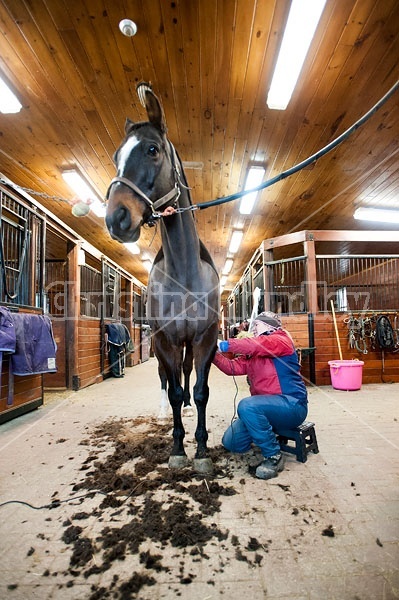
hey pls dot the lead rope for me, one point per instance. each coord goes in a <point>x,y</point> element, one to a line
<point>311,159</point>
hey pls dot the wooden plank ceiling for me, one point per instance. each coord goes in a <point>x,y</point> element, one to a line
<point>211,63</point>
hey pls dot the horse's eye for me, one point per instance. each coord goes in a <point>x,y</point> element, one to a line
<point>153,150</point>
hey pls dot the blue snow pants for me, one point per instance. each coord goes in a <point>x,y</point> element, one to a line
<point>257,417</point>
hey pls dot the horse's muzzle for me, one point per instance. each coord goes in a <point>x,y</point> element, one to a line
<point>120,226</point>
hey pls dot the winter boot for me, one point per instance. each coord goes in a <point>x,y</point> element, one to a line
<point>270,467</point>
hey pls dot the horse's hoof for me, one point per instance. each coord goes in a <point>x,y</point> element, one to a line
<point>188,411</point>
<point>204,466</point>
<point>177,461</point>
<point>163,415</point>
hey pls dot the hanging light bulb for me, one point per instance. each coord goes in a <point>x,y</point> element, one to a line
<point>128,27</point>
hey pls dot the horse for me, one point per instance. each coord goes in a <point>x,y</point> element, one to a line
<point>187,368</point>
<point>183,287</point>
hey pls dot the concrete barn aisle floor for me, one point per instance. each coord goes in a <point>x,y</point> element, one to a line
<point>326,529</point>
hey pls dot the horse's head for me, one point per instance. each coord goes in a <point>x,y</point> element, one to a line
<point>146,176</point>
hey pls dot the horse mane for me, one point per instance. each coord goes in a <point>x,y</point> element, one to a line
<point>183,177</point>
<point>204,255</point>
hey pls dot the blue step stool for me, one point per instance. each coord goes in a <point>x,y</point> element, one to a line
<point>304,437</point>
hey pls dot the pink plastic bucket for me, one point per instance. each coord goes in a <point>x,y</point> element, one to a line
<point>346,374</point>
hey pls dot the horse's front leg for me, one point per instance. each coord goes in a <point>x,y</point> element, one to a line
<point>203,358</point>
<point>171,361</point>
<point>178,457</point>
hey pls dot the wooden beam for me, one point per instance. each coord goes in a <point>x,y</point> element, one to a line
<point>354,236</point>
<point>72,314</point>
<point>311,276</point>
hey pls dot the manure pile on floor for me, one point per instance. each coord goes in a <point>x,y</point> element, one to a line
<point>157,517</point>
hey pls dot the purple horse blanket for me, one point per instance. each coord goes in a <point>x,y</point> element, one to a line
<point>28,339</point>
<point>35,345</point>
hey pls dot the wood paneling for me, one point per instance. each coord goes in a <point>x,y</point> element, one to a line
<point>89,352</point>
<point>58,379</point>
<point>298,327</point>
<point>211,63</point>
<point>136,338</point>
<point>327,349</point>
<point>375,370</point>
<point>27,389</point>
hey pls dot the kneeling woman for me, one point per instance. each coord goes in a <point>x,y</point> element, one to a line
<point>278,394</point>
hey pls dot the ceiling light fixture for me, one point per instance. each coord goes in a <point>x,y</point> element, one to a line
<point>132,247</point>
<point>192,164</point>
<point>227,266</point>
<point>380,215</point>
<point>299,31</point>
<point>9,103</point>
<point>147,264</point>
<point>235,240</point>
<point>87,196</point>
<point>128,27</point>
<point>254,178</point>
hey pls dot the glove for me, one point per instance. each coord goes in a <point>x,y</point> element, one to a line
<point>223,345</point>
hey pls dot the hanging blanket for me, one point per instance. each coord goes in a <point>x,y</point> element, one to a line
<point>28,338</point>
<point>7,342</point>
<point>119,344</point>
<point>36,348</point>
<point>7,331</point>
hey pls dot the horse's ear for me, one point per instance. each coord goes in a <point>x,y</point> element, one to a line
<point>128,126</point>
<point>152,105</point>
<point>154,111</point>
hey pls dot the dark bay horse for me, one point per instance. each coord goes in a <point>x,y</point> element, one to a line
<point>183,286</point>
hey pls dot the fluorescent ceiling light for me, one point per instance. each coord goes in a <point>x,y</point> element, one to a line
<point>195,165</point>
<point>132,247</point>
<point>301,24</point>
<point>223,281</point>
<point>147,264</point>
<point>254,178</point>
<point>82,189</point>
<point>235,241</point>
<point>381,215</point>
<point>227,266</point>
<point>9,103</point>
<point>98,208</point>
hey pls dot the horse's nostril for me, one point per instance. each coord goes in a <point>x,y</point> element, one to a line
<point>119,220</point>
<point>124,219</point>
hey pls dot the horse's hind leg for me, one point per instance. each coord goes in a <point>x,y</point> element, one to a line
<point>187,368</point>
<point>164,403</point>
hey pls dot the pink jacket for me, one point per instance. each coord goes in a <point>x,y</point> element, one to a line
<point>269,361</point>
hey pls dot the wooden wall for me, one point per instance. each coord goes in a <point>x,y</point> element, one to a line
<point>89,353</point>
<point>28,393</point>
<point>134,358</point>
<point>326,346</point>
<point>93,362</point>
<point>58,379</point>
<point>327,349</point>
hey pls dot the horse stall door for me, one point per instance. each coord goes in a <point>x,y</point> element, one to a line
<point>56,304</point>
<point>145,342</point>
<point>21,233</point>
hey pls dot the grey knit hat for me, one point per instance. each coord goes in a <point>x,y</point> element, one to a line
<point>270,318</point>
